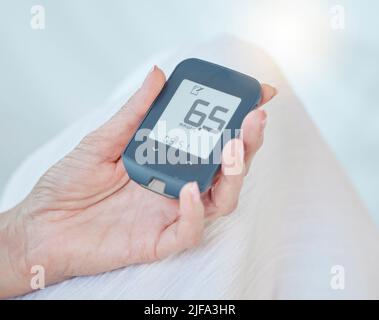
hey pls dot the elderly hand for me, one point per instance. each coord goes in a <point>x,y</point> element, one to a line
<point>85,215</point>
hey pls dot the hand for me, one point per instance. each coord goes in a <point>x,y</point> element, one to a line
<point>85,215</point>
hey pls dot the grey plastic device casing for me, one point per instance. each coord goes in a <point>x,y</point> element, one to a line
<point>168,179</point>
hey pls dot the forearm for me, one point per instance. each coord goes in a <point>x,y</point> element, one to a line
<point>13,271</point>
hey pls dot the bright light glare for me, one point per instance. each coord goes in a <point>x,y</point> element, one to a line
<point>294,32</point>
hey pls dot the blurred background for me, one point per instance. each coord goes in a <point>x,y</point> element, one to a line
<point>327,49</point>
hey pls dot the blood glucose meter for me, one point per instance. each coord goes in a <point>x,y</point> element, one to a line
<point>200,108</point>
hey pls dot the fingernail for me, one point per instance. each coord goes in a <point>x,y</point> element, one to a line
<point>275,91</point>
<point>149,73</point>
<point>239,159</point>
<point>152,69</point>
<point>195,192</point>
<point>241,154</point>
<point>233,160</point>
<point>263,120</point>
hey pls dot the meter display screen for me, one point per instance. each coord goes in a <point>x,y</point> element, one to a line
<point>195,118</point>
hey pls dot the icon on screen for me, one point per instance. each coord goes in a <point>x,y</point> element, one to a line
<point>196,90</point>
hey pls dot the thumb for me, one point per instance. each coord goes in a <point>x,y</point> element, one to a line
<point>187,230</point>
<point>111,138</point>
